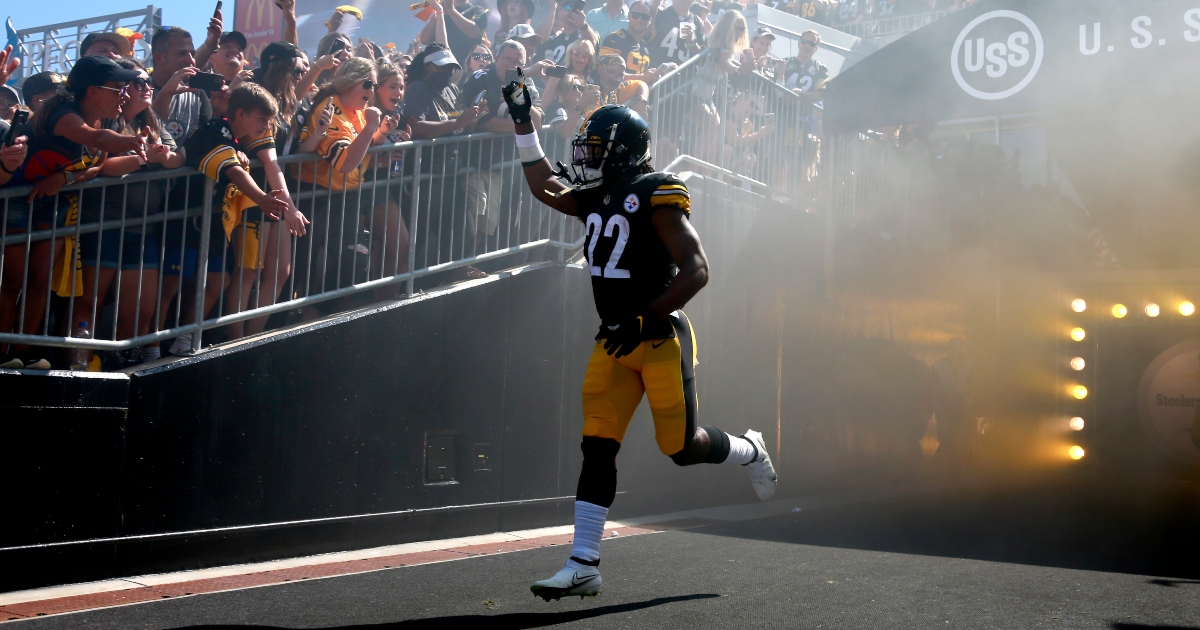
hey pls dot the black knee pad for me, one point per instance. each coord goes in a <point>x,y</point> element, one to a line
<point>718,452</point>
<point>598,479</point>
<point>718,449</point>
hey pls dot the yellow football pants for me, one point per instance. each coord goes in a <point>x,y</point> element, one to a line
<point>663,369</point>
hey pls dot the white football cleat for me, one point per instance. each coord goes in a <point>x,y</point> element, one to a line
<point>573,579</point>
<point>762,471</point>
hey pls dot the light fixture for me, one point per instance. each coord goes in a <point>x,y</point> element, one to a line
<point>1078,364</point>
<point>1152,310</point>
<point>1187,308</point>
<point>1119,311</point>
<point>1076,452</point>
<point>1079,391</point>
<point>1078,334</point>
<point>1077,423</point>
<point>1078,305</point>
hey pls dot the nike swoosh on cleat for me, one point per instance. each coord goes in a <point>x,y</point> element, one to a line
<point>575,581</point>
<point>657,346</point>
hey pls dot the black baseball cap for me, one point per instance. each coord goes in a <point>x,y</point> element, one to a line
<point>234,37</point>
<point>276,51</point>
<point>763,31</point>
<point>41,82</point>
<point>96,70</point>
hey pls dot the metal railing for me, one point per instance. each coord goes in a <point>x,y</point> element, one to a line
<point>157,242</point>
<point>892,26</point>
<point>744,123</point>
<point>880,184</point>
<point>56,46</point>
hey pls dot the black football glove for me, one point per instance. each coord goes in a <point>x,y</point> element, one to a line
<point>516,94</point>
<point>623,338</point>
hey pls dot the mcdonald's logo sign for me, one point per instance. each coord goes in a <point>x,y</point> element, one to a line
<point>255,15</point>
<point>261,21</point>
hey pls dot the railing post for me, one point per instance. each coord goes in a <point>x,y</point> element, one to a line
<point>416,219</point>
<point>201,271</point>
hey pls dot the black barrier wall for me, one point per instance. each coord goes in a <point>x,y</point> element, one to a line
<point>458,413</point>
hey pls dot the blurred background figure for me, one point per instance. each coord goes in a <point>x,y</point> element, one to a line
<point>956,429</point>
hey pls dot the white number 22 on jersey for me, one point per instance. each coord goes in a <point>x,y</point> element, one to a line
<point>620,225</point>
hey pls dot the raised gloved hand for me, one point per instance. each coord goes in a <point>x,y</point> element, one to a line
<point>516,94</point>
<point>624,337</point>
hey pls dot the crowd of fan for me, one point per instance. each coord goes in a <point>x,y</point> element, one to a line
<point>113,117</point>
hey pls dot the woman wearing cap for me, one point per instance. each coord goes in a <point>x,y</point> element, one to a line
<point>69,144</point>
<point>134,251</point>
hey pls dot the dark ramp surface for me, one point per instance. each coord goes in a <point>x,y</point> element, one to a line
<point>1067,556</point>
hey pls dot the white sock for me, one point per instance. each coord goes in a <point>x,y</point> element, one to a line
<point>182,343</point>
<point>589,529</point>
<point>151,353</point>
<point>741,451</point>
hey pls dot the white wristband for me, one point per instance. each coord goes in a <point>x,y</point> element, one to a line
<point>528,148</point>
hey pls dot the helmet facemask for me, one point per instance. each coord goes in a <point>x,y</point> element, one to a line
<point>589,156</point>
<point>612,143</point>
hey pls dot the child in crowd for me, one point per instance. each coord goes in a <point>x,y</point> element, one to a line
<point>215,149</point>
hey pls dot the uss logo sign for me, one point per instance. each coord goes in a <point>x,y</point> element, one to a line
<point>997,55</point>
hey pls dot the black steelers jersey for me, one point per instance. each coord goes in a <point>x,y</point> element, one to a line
<point>636,54</point>
<point>629,263</point>
<point>805,76</point>
<point>666,45</point>
<point>555,49</point>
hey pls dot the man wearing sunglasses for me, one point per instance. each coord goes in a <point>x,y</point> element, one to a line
<point>804,74</point>
<point>630,44</point>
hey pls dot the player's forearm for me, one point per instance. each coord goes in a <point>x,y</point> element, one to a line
<point>682,288</point>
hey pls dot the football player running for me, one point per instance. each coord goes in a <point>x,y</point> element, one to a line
<point>646,262</point>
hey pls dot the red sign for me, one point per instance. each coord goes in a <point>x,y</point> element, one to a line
<point>261,21</point>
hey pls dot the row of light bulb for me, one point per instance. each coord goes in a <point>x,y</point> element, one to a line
<point>1080,392</point>
<point>1119,311</point>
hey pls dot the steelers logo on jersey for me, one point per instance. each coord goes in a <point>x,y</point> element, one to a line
<point>632,204</point>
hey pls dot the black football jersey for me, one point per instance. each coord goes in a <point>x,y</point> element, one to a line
<point>629,264</point>
<point>666,45</point>
<point>555,49</point>
<point>805,76</point>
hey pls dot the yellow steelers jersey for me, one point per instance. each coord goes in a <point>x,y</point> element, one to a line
<point>636,54</point>
<point>629,264</point>
<point>213,150</point>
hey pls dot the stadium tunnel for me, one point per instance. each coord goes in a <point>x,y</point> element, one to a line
<point>457,411</point>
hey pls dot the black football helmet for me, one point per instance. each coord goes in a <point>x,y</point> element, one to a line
<point>613,143</point>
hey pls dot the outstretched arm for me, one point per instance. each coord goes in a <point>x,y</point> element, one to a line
<point>547,188</point>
